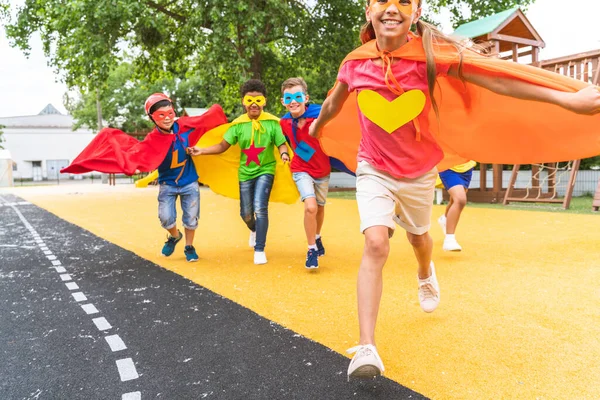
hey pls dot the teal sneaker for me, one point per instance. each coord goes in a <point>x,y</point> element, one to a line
<point>169,246</point>
<point>190,253</point>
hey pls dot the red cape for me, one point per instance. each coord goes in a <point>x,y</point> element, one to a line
<point>114,151</point>
<point>476,124</point>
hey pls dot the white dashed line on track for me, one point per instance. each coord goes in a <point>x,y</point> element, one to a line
<point>127,369</point>
<point>132,396</point>
<point>101,323</point>
<point>79,296</point>
<point>126,366</point>
<point>115,343</point>
<point>89,309</point>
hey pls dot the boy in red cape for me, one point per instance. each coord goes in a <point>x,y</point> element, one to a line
<point>113,151</point>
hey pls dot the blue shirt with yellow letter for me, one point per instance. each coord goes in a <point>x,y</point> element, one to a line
<point>177,169</point>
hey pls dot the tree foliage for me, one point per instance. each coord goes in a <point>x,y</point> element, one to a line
<point>197,51</point>
<point>470,10</point>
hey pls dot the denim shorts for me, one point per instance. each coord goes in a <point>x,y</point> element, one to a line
<point>311,187</point>
<point>190,205</point>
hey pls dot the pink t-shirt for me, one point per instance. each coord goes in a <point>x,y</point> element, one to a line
<point>398,153</point>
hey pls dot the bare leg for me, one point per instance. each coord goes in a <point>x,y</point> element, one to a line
<point>189,237</point>
<point>310,219</point>
<point>173,232</point>
<point>320,218</point>
<point>423,248</point>
<point>458,201</point>
<point>370,284</point>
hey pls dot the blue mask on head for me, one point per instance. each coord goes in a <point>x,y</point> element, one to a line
<point>298,97</point>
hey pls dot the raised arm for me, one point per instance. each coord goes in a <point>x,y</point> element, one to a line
<point>330,108</point>
<point>586,101</point>
<point>214,149</point>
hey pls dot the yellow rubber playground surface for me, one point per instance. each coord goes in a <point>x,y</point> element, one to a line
<point>520,307</point>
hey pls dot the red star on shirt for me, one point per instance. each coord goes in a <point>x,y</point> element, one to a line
<point>252,154</point>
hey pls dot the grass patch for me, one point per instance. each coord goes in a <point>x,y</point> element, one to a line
<point>579,205</point>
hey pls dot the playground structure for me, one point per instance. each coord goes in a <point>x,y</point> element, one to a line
<point>596,202</point>
<point>510,36</point>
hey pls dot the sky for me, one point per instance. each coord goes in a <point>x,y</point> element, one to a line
<point>29,84</point>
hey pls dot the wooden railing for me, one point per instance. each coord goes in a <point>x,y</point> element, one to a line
<point>582,66</point>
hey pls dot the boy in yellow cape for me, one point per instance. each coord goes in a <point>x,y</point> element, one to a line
<point>260,139</point>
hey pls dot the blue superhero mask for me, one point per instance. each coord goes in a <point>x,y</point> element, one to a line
<point>298,97</point>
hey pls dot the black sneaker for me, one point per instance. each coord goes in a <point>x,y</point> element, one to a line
<point>190,253</point>
<point>320,248</point>
<point>312,259</point>
<point>169,246</point>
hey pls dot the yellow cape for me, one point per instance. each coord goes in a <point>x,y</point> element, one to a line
<point>220,171</point>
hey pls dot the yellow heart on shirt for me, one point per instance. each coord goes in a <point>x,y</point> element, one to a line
<point>391,115</point>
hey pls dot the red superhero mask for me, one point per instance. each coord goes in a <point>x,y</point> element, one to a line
<point>163,113</point>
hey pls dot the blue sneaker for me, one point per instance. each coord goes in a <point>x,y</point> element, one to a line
<point>312,259</point>
<point>190,253</point>
<point>320,248</point>
<point>169,246</point>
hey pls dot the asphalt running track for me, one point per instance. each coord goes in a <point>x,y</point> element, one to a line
<point>81,318</point>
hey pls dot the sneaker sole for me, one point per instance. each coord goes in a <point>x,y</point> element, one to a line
<point>311,267</point>
<point>192,260</point>
<point>365,372</point>
<point>453,250</point>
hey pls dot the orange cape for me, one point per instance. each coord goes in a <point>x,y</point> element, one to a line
<point>477,124</point>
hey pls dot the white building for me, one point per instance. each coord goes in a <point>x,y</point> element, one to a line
<point>6,168</point>
<point>40,145</point>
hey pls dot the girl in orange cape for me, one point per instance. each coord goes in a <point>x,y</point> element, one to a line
<point>395,74</point>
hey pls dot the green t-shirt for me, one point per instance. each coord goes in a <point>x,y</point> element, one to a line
<point>242,133</point>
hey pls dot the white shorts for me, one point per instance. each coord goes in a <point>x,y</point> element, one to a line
<point>384,200</point>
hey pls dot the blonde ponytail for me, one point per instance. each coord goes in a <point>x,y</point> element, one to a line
<point>367,32</point>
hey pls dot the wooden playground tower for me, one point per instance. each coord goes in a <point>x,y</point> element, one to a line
<point>510,36</point>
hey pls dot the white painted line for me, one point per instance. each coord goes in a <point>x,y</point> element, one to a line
<point>89,308</point>
<point>79,296</point>
<point>115,343</point>
<point>23,203</point>
<point>44,249</point>
<point>101,323</point>
<point>47,252</point>
<point>56,262</point>
<point>60,269</point>
<point>65,277</point>
<point>39,241</point>
<point>127,369</point>
<point>51,257</point>
<point>132,396</point>
<point>72,286</point>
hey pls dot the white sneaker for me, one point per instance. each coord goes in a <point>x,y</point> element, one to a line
<point>252,239</point>
<point>366,363</point>
<point>442,222</point>
<point>260,257</point>
<point>450,244</point>
<point>429,292</point>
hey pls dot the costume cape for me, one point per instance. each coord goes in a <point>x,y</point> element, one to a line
<point>312,112</point>
<point>113,151</point>
<point>477,124</point>
<point>220,171</point>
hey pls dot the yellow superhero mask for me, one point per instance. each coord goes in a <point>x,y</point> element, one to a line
<point>258,100</point>
<point>406,7</point>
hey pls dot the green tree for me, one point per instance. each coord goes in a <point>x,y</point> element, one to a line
<point>1,137</point>
<point>199,52</point>
<point>470,10</point>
